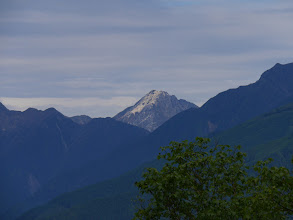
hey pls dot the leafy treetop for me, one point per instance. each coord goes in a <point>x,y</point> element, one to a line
<point>199,181</point>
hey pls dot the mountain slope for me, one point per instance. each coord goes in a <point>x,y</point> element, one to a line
<point>153,110</point>
<point>30,141</point>
<point>36,146</point>
<point>229,108</point>
<point>269,135</point>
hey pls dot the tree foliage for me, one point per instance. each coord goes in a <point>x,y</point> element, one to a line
<point>199,181</point>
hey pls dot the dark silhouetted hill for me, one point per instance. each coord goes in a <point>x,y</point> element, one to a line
<point>36,146</point>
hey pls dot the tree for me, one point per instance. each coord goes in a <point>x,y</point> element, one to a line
<point>199,181</point>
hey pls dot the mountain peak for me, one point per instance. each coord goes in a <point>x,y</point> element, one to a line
<point>278,70</point>
<point>155,92</point>
<point>52,112</point>
<point>81,119</point>
<point>153,109</point>
<point>277,65</point>
<point>148,100</point>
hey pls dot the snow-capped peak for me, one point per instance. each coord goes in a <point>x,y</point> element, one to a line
<point>149,99</point>
<point>153,110</point>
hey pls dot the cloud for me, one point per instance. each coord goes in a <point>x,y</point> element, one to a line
<point>106,49</point>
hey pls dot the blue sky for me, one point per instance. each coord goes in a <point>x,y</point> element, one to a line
<point>98,57</point>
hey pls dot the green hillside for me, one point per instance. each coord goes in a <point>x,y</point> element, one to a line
<point>269,135</point>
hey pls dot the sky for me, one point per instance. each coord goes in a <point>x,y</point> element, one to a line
<point>97,57</point>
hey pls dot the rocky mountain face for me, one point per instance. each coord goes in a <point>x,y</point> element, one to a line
<point>153,110</point>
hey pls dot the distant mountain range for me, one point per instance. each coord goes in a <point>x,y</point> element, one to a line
<point>153,110</point>
<point>44,153</point>
<point>36,146</point>
<point>269,135</point>
<point>224,111</point>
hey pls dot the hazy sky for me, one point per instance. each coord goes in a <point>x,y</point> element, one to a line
<point>97,57</point>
